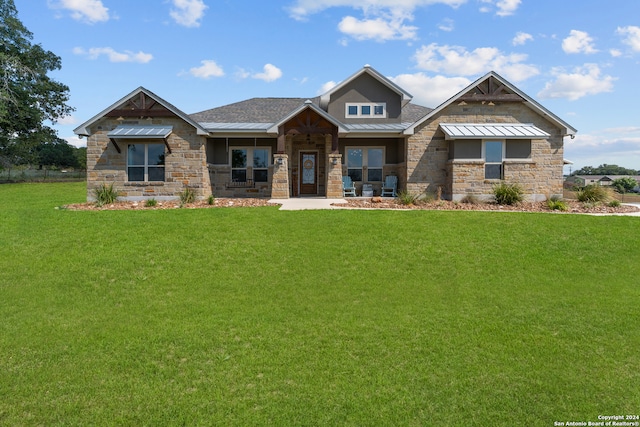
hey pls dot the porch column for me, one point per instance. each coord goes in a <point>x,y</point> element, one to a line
<point>280,178</point>
<point>334,176</point>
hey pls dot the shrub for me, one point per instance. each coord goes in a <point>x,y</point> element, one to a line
<point>593,193</point>
<point>407,198</point>
<point>151,203</point>
<point>507,194</point>
<point>187,196</point>
<point>211,200</point>
<point>105,194</point>
<point>614,203</point>
<point>556,204</point>
<point>625,184</point>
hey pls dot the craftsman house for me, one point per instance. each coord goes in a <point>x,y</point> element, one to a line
<point>365,127</point>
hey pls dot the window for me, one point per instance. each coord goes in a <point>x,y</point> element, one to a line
<point>145,162</point>
<point>365,164</point>
<point>364,110</point>
<point>241,158</point>
<point>493,155</point>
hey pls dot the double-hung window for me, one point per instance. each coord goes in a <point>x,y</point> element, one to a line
<point>365,163</point>
<point>145,162</point>
<point>249,164</point>
<point>493,157</point>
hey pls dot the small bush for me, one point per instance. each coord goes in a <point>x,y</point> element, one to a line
<point>151,203</point>
<point>407,198</point>
<point>556,204</point>
<point>187,196</point>
<point>593,194</point>
<point>105,194</point>
<point>507,194</point>
<point>211,200</point>
<point>614,203</point>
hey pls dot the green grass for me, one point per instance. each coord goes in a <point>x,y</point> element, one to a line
<point>252,316</point>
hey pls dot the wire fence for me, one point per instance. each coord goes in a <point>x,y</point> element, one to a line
<point>40,175</point>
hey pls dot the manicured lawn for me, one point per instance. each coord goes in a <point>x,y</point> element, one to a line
<point>252,316</point>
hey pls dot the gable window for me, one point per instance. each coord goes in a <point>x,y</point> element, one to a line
<point>493,156</point>
<point>365,163</point>
<point>249,164</point>
<point>366,109</point>
<point>145,162</point>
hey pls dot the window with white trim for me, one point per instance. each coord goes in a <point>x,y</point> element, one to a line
<point>145,162</point>
<point>493,153</point>
<point>250,163</point>
<point>376,110</point>
<point>365,163</point>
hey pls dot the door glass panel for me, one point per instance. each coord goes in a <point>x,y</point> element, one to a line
<point>238,158</point>
<point>308,168</point>
<point>260,158</point>
<point>374,157</point>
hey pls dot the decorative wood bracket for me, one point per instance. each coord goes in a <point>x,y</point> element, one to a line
<point>115,144</point>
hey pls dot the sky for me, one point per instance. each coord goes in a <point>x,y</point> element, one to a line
<point>578,58</point>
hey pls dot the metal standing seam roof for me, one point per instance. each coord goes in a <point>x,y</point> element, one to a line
<point>489,130</point>
<point>377,127</point>
<point>141,132</point>
<point>213,126</point>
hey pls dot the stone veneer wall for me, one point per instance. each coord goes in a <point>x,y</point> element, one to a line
<point>185,167</point>
<point>428,165</point>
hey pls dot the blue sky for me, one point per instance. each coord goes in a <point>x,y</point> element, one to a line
<point>578,58</point>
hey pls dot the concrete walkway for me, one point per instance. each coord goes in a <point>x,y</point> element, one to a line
<point>303,203</point>
<point>306,203</point>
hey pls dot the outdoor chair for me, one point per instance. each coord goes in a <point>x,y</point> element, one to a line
<point>389,186</point>
<point>348,189</point>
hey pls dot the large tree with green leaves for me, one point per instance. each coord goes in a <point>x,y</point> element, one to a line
<point>29,99</point>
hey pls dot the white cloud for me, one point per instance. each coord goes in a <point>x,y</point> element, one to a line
<point>446,25</point>
<point>382,19</point>
<point>327,87</point>
<point>303,8</point>
<point>521,38</point>
<point>126,56</point>
<point>456,60</point>
<point>583,81</point>
<point>631,36</point>
<point>613,146</point>
<point>430,91</point>
<point>208,69</point>
<point>379,29</point>
<point>505,7</point>
<point>67,120</point>
<point>188,12</point>
<point>270,73</point>
<point>89,11</point>
<point>76,141</point>
<point>578,42</point>
<point>615,52</point>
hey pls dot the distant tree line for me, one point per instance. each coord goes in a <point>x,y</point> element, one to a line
<point>605,169</point>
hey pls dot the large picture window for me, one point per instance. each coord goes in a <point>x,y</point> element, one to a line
<point>145,162</point>
<point>365,164</point>
<point>249,164</point>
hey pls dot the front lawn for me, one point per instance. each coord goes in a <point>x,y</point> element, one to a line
<point>253,316</point>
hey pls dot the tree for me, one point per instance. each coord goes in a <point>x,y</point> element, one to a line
<point>28,97</point>
<point>58,154</point>
<point>605,169</point>
<point>624,184</point>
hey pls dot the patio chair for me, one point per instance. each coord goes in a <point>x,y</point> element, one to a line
<point>348,189</point>
<point>389,186</point>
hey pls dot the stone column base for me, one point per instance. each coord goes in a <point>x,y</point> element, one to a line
<point>280,178</point>
<point>334,176</point>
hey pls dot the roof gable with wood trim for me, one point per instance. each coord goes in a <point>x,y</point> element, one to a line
<point>140,104</point>
<point>494,88</point>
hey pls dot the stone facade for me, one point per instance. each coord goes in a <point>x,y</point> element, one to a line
<point>429,166</point>
<point>185,166</point>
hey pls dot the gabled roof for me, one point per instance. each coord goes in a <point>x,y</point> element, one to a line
<point>530,102</point>
<point>308,104</point>
<point>367,69</point>
<point>254,110</point>
<point>83,129</point>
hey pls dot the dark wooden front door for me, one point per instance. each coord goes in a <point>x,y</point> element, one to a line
<point>308,173</point>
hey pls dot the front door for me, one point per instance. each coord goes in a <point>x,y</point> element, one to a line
<point>309,168</point>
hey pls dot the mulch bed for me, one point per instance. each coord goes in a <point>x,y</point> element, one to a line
<point>366,203</point>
